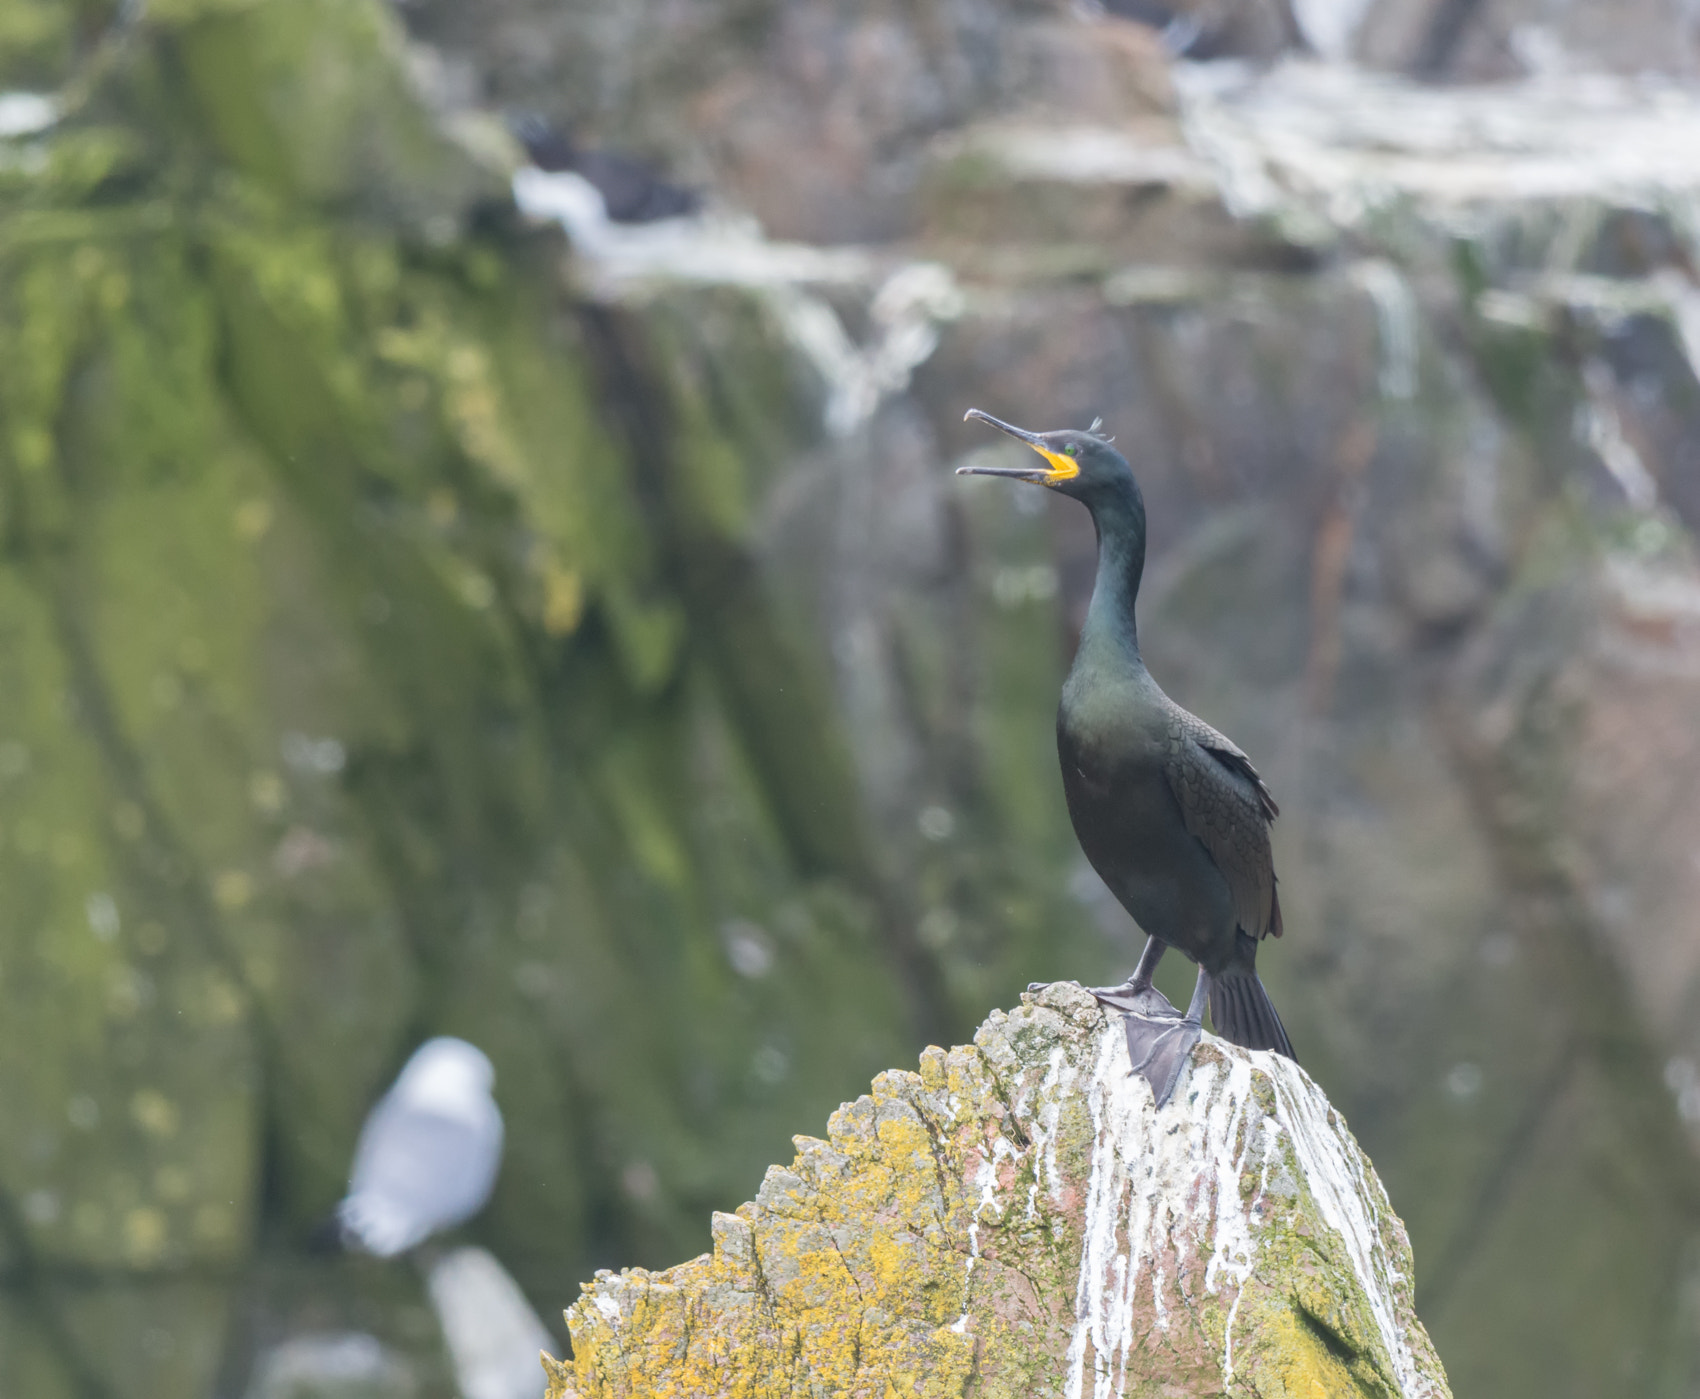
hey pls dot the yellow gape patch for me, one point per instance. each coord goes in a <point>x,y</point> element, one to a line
<point>1063,468</point>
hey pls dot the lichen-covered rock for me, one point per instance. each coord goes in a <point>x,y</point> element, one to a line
<point>1020,1219</point>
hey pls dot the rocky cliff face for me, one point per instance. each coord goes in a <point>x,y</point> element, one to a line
<point>1409,378</point>
<point>419,623</point>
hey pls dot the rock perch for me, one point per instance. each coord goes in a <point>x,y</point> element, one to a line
<point>1019,1219</point>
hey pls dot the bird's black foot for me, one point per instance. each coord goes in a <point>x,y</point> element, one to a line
<point>1135,999</point>
<point>1158,1046</point>
<point>1159,1037</point>
<point>1128,997</point>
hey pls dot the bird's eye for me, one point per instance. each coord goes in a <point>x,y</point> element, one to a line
<point>1069,449</point>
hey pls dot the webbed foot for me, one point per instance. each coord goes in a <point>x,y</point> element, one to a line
<point>1158,1046</point>
<point>1128,997</point>
<point>1134,999</point>
<point>1159,1037</point>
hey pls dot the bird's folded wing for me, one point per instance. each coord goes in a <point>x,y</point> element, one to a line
<point>1226,807</point>
<point>422,1171</point>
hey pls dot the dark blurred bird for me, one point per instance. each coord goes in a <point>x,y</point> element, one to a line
<point>1204,30</point>
<point>1179,29</point>
<point>631,190</point>
<point>1171,813</point>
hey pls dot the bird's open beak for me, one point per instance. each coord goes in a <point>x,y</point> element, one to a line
<point>1061,468</point>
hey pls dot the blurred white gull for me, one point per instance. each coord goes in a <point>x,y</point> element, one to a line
<point>428,1153</point>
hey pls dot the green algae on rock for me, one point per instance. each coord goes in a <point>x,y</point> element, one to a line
<point>1019,1219</point>
<point>352,698</point>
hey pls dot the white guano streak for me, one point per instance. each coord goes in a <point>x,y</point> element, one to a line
<point>1333,1171</point>
<point>1156,1194</point>
<point>906,308</point>
<point>1059,1081</point>
<point>986,1179</point>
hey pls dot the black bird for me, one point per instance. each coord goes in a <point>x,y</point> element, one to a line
<point>631,190</point>
<point>1171,814</point>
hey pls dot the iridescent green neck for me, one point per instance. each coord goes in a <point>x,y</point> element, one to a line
<point>1119,514</point>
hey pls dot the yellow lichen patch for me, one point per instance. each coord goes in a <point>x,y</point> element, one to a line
<point>806,1297</point>
<point>563,599</point>
<point>145,1236</point>
<point>1293,1362</point>
<point>232,890</point>
<point>560,1375</point>
<point>252,519</point>
<point>154,1113</point>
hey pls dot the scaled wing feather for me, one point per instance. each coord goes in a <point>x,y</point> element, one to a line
<point>1227,808</point>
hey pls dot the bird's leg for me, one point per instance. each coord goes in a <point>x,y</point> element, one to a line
<point>1136,995</point>
<point>1158,1047</point>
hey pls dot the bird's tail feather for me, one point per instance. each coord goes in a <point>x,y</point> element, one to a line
<point>1243,1013</point>
<point>378,1225</point>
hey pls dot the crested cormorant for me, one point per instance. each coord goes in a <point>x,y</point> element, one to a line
<point>1171,814</point>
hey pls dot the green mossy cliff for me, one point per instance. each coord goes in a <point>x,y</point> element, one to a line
<point>384,656</point>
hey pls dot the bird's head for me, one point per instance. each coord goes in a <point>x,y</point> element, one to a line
<point>1084,465</point>
<point>446,1072</point>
